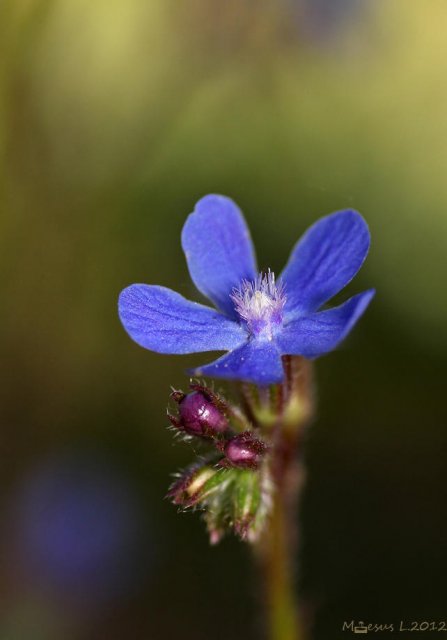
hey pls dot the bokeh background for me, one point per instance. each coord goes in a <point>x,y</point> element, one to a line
<point>114,119</point>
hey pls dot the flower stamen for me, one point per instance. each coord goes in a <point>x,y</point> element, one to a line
<point>260,303</point>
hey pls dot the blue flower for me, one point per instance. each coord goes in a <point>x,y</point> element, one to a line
<point>258,319</point>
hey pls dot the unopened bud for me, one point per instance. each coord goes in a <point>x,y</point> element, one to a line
<point>195,485</point>
<point>198,415</point>
<point>245,450</point>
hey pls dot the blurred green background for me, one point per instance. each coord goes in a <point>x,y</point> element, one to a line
<point>114,119</point>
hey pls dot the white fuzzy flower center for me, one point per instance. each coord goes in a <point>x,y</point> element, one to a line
<point>260,304</point>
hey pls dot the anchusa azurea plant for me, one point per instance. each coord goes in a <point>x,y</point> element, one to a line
<point>271,329</point>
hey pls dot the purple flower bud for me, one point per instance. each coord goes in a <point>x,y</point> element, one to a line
<point>198,415</point>
<point>245,450</point>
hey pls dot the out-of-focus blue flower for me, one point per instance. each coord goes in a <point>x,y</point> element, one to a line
<point>81,530</point>
<point>258,319</point>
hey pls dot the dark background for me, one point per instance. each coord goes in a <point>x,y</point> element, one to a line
<point>114,119</point>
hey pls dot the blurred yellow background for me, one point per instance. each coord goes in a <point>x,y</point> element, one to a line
<point>115,118</point>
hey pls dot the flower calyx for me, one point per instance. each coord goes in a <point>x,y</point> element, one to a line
<point>195,485</point>
<point>232,499</point>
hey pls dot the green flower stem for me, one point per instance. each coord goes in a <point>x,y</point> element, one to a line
<point>276,551</point>
<point>281,610</point>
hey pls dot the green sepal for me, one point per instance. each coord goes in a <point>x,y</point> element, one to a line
<point>241,505</point>
<point>196,484</point>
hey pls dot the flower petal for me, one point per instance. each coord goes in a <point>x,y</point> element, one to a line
<point>218,250</point>
<point>164,321</point>
<point>257,361</point>
<point>325,259</point>
<point>313,335</point>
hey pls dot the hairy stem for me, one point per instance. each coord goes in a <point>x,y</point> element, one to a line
<point>277,548</point>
